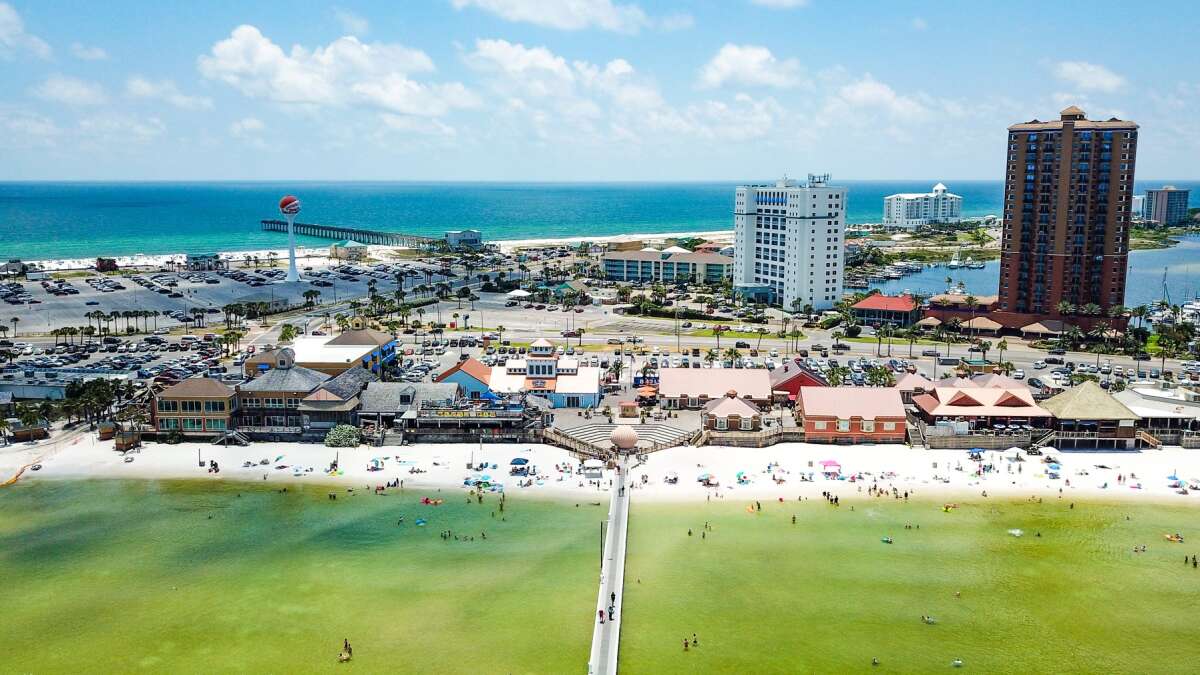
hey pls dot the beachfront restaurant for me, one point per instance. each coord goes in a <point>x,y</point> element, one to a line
<point>693,388</point>
<point>981,409</point>
<point>851,415</point>
<point>731,414</point>
<point>196,407</point>
<point>1087,416</point>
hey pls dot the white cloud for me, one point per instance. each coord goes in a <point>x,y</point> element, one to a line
<point>14,39</point>
<point>120,129</point>
<point>584,104</point>
<point>749,65</point>
<point>345,72</point>
<point>567,14</point>
<point>247,126</point>
<point>871,94</point>
<point>70,91</point>
<point>165,90</point>
<point>678,21</point>
<point>1088,76</point>
<point>780,4</point>
<point>918,23</point>
<point>352,23</point>
<point>20,128</point>
<point>86,53</point>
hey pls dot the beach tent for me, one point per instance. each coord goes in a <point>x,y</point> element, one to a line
<point>518,293</point>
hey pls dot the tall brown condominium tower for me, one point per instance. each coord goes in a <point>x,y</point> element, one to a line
<point>1068,193</point>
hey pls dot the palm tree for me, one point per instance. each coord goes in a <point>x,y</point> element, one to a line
<point>1140,313</point>
<point>15,320</point>
<point>287,333</point>
<point>616,368</point>
<point>1090,309</point>
<point>712,355</point>
<point>5,425</point>
<point>984,347</point>
<point>837,375</point>
<point>1064,308</point>
<point>733,354</point>
<point>1002,346</point>
<point>879,376</point>
<point>972,304</point>
<point>912,335</point>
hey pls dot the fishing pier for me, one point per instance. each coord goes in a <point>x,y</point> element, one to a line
<point>361,236</point>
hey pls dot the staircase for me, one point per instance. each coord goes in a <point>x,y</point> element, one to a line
<point>233,437</point>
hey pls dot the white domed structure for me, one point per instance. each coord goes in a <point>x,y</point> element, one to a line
<point>624,437</point>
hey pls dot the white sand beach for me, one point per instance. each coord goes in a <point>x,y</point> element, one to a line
<point>319,255</point>
<point>937,474</point>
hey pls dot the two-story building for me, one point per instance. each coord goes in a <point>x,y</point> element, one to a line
<point>851,415</point>
<point>361,348</point>
<point>196,407</point>
<point>560,380</point>
<point>269,405</point>
<point>666,266</point>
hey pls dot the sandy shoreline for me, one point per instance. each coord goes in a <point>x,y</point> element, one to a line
<point>320,254</point>
<point>925,474</point>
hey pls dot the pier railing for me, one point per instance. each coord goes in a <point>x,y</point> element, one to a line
<point>361,236</point>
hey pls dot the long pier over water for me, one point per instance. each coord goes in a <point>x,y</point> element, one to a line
<point>361,236</point>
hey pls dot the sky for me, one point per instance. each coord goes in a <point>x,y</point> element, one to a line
<point>577,90</point>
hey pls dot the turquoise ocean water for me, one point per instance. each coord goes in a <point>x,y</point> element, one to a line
<point>75,220</point>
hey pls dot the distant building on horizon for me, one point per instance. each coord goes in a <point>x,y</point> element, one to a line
<point>788,242</point>
<point>1167,205</point>
<point>910,210</point>
<point>1068,190</point>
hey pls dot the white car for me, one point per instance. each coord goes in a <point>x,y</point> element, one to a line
<point>1038,365</point>
<point>1018,374</point>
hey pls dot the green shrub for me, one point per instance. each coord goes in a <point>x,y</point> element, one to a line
<point>342,436</point>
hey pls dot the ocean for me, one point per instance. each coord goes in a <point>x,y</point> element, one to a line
<point>78,220</point>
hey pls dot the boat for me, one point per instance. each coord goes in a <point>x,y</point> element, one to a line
<point>973,264</point>
<point>955,262</point>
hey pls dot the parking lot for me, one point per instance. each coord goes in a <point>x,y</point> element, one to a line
<point>171,297</point>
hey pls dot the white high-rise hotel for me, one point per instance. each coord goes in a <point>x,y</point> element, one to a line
<point>910,210</point>
<point>789,242</point>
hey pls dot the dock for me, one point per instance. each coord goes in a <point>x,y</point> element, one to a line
<point>361,236</point>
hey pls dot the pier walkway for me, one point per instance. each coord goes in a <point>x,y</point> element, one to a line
<point>606,637</point>
<point>361,236</point>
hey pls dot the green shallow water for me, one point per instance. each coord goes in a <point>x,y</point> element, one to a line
<point>825,595</point>
<point>116,576</point>
<point>181,577</point>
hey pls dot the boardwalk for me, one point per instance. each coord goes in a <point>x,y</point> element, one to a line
<point>606,637</point>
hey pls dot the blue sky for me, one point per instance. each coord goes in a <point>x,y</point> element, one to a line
<point>576,89</point>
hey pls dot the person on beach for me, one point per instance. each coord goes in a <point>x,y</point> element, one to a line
<point>695,640</point>
<point>601,615</point>
<point>685,644</point>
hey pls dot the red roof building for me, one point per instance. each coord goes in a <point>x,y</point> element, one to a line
<point>878,309</point>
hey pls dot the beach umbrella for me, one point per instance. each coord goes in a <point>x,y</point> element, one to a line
<point>671,475</point>
<point>518,293</point>
<point>1172,477</point>
<point>704,477</point>
<point>279,458</point>
<point>1055,467</point>
<point>829,462</point>
<point>519,461</point>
